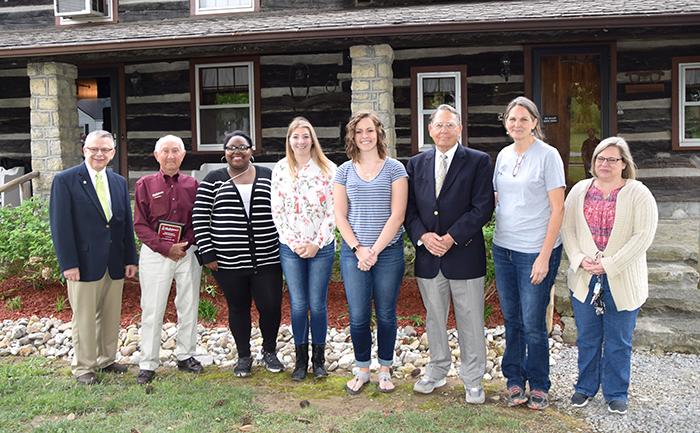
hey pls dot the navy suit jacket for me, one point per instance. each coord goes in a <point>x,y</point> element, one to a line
<point>464,206</point>
<point>82,236</point>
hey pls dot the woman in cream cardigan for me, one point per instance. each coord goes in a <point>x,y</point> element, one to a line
<point>609,223</point>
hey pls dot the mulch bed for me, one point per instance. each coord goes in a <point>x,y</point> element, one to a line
<point>42,303</point>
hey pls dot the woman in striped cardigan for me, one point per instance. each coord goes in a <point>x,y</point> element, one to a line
<point>238,242</point>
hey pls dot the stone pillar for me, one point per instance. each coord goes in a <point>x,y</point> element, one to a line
<point>373,85</point>
<point>55,135</point>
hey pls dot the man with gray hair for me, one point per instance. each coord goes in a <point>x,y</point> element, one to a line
<point>163,223</point>
<point>450,199</point>
<point>93,235</point>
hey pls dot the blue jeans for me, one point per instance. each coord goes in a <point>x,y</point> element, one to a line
<point>604,345</point>
<point>380,284</point>
<point>307,281</point>
<point>524,307</point>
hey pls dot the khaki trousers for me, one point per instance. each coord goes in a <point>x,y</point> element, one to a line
<point>467,297</point>
<point>97,307</point>
<point>156,273</point>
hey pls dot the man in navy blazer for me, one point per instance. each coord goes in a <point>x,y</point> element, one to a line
<point>93,235</point>
<point>450,199</point>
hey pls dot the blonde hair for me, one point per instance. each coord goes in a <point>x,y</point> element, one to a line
<point>316,151</point>
<point>531,108</point>
<point>630,170</point>
<point>351,148</point>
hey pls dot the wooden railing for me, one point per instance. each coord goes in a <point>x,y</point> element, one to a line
<point>17,183</point>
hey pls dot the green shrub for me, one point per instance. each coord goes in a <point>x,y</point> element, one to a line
<point>488,239</point>
<point>60,303</point>
<point>25,242</point>
<point>207,310</point>
<point>14,304</point>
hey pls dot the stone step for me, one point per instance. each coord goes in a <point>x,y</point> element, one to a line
<point>673,275</point>
<point>666,301</point>
<point>668,333</point>
<point>676,240</point>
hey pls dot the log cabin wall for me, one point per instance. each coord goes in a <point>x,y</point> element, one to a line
<point>14,115</point>
<point>162,105</point>
<point>644,78</point>
<point>487,92</point>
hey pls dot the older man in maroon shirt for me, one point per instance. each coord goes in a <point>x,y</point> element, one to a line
<point>163,223</point>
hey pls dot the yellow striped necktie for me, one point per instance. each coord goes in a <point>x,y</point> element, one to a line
<point>101,189</point>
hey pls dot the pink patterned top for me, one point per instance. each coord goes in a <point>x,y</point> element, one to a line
<point>600,214</point>
<point>302,208</point>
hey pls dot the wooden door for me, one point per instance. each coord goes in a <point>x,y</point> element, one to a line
<point>572,94</point>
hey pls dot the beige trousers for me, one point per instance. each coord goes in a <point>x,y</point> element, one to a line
<point>97,307</point>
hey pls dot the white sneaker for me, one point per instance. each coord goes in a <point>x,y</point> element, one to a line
<point>426,385</point>
<point>475,395</point>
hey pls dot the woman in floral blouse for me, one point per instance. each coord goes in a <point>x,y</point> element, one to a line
<point>302,209</point>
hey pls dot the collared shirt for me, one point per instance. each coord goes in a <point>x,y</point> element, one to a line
<point>162,197</point>
<point>93,173</point>
<point>302,208</point>
<point>450,156</point>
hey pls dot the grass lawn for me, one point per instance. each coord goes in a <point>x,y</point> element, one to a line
<point>38,395</point>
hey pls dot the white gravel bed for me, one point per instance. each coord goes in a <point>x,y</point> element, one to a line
<point>663,392</point>
<point>663,395</point>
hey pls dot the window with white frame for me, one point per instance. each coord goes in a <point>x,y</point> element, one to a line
<point>223,6</point>
<point>689,104</point>
<point>225,102</point>
<point>434,89</point>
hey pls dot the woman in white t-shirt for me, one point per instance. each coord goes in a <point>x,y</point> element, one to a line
<point>529,182</point>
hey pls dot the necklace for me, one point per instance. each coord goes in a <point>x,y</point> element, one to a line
<point>240,174</point>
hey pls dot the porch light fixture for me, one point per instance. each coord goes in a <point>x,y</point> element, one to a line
<point>505,67</point>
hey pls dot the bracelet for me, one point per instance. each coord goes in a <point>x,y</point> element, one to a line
<point>354,249</point>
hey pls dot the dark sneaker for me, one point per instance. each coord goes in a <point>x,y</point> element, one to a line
<point>538,400</point>
<point>190,365</point>
<point>145,376</point>
<point>243,367</point>
<point>516,396</point>
<point>272,364</point>
<point>579,399</point>
<point>617,406</point>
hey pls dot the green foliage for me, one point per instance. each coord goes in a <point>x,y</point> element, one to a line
<point>488,239</point>
<point>415,319</point>
<point>207,310</point>
<point>488,310</point>
<point>232,98</point>
<point>14,304</point>
<point>206,287</point>
<point>60,303</point>
<point>26,248</point>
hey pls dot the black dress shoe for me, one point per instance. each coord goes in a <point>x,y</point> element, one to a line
<point>115,368</point>
<point>145,376</point>
<point>190,365</point>
<point>87,379</point>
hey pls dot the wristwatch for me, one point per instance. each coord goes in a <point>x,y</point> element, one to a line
<point>354,249</point>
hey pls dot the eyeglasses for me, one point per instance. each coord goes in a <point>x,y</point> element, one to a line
<point>449,126</point>
<point>518,163</point>
<point>237,149</point>
<point>611,161</point>
<point>96,150</point>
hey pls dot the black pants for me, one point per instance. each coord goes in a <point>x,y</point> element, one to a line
<point>240,288</point>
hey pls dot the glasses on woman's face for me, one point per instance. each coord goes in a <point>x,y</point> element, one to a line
<point>237,149</point>
<point>603,160</point>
